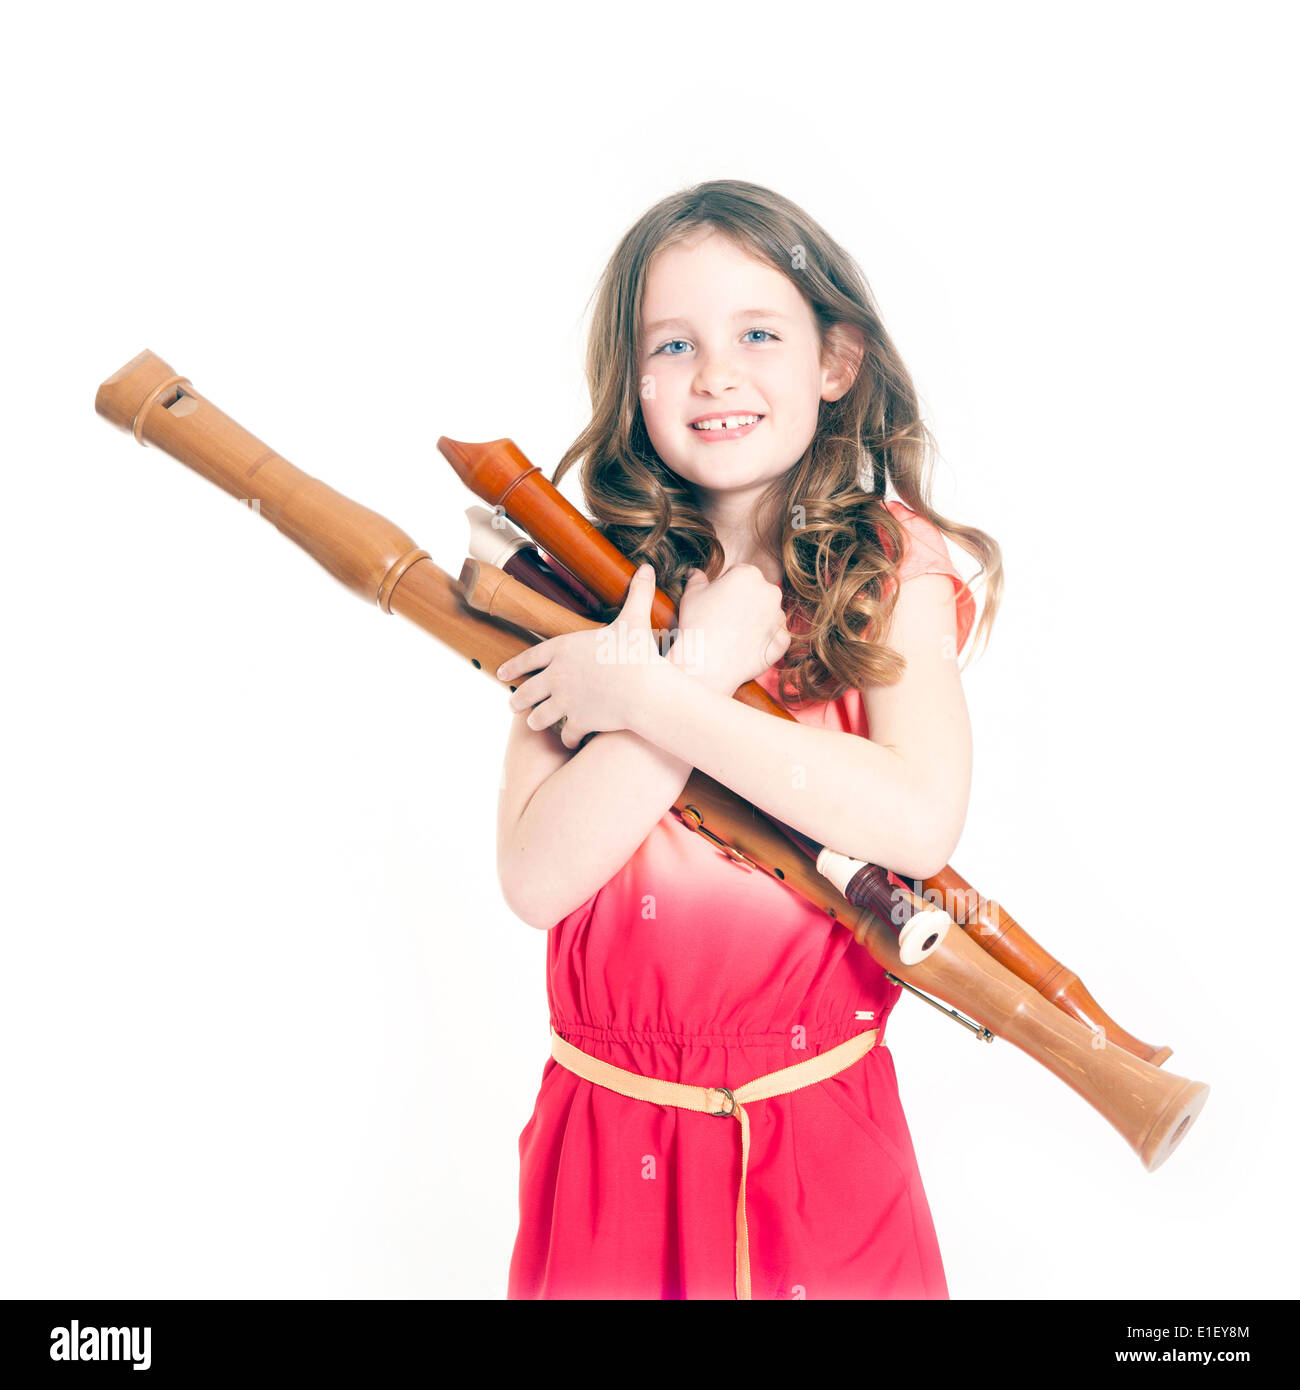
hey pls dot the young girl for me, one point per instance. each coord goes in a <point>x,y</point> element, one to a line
<point>749,410</point>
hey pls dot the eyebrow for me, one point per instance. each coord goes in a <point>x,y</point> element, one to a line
<point>741,314</point>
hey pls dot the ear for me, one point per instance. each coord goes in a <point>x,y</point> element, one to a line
<point>841,359</point>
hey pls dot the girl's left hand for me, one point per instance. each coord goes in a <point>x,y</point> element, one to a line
<point>593,680</point>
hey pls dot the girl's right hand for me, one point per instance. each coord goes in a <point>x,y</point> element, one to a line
<point>730,630</point>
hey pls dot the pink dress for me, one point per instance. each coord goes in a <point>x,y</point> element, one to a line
<point>688,967</point>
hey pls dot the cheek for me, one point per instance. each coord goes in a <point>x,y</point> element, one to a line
<point>794,396</point>
<point>658,383</point>
<point>808,407</point>
<point>658,404</point>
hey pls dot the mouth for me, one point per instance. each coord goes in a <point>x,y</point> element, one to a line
<point>722,427</point>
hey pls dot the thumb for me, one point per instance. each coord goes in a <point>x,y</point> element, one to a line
<point>640,596</point>
<point>777,646</point>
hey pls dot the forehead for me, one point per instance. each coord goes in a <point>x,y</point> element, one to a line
<point>712,277</point>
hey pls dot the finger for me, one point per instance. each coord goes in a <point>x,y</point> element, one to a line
<point>532,692</point>
<point>640,596</point>
<point>777,646</point>
<point>641,587</point>
<point>572,735</point>
<point>530,659</point>
<point>545,714</point>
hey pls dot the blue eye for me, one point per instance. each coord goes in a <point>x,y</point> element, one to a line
<point>672,342</point>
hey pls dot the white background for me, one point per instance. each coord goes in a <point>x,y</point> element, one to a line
<point>267,1027</point>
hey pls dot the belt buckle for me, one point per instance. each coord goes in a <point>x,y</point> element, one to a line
<point>724,1114</point>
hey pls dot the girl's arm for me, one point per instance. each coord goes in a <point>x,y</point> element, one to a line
<point>568,820</point>
<point>897,799</point>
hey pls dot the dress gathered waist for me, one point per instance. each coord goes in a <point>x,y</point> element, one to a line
<point>718,1102</point>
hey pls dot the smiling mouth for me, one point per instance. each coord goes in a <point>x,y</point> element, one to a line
<point>730,422</point>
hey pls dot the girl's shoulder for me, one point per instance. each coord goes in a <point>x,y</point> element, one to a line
<point>925,551</point>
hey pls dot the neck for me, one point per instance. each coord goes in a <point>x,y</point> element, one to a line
<point>732,519</point>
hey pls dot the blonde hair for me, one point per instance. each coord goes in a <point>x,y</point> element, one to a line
<point>826,516</point>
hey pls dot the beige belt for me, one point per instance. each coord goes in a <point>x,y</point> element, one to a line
<point>717,1100</point>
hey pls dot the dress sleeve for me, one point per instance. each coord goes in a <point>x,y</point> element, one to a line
<point>925,551</point>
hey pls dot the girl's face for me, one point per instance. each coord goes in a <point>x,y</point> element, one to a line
<point>726,335</point>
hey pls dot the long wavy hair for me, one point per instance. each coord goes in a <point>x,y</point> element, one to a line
<point>825,517</point>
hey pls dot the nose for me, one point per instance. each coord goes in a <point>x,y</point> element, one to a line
<point>715,372</point>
